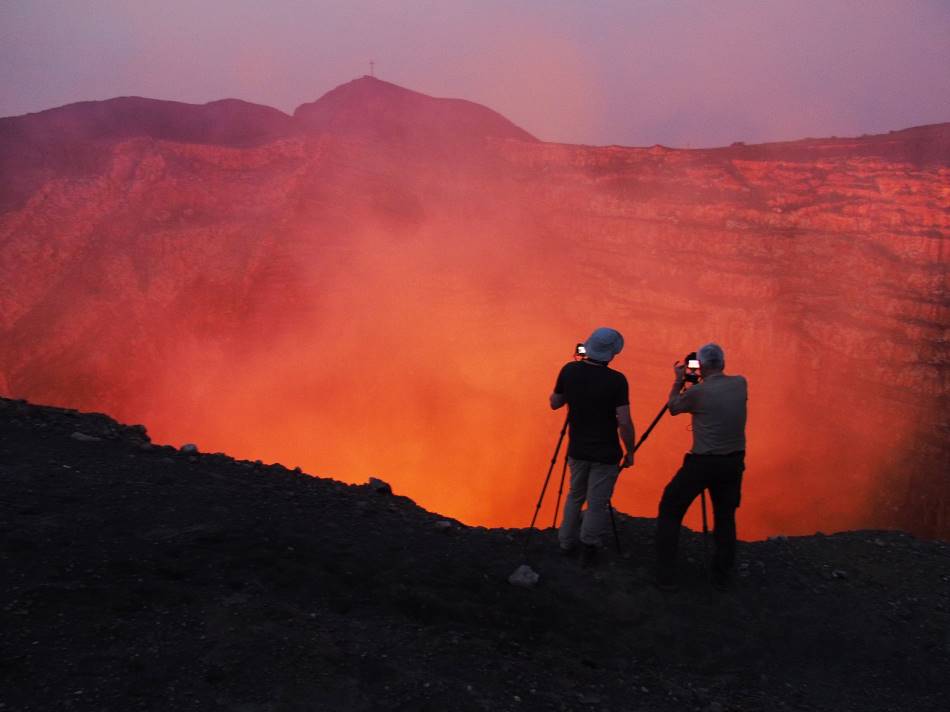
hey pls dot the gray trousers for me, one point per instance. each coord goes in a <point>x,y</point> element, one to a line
<point>592,482</point>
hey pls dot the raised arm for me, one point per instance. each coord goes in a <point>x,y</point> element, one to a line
<point>627,434</point>
<point>677,401</point>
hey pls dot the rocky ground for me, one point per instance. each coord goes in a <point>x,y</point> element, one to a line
<point>138,576</point>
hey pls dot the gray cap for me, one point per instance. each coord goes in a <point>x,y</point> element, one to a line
<point>604,344</point>
<point>711,354</point>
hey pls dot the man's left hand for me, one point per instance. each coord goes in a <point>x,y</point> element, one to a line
<point>627,461</point>
<point>680,370</point>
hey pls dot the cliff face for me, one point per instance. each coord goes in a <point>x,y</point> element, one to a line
<point>333,290</point>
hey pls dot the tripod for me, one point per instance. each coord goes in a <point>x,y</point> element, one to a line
<point>547,478</point>
<point>557,506</point>
<point>613,522</point>
<point>702,495</point>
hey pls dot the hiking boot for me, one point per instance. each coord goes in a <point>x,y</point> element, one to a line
<point>588,555</point>
<point>567,551</point>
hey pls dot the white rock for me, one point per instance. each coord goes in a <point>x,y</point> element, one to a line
<point>83,438</point>
<point>524,576</point>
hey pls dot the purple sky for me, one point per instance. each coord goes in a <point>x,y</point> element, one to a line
<point>633,72</point>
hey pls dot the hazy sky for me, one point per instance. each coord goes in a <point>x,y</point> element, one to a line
<point>632,72</point>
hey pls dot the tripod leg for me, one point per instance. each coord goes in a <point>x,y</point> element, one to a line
<point>613,523</point>
<point>560,490</point>
<point>544,488</point>
<point>702,496</point>
<point>548,476</point>
<point>649,430</point>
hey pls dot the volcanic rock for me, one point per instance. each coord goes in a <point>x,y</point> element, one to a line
<point>524,576</point>
<point>379,486</point>
<point>208,586</point>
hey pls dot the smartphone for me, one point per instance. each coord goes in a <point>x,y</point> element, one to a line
<point>691,372</point>
<point>581,350</point>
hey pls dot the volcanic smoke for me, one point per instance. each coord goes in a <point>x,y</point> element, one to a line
<point>386,284</point>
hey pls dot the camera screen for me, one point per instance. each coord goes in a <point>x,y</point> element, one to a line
<point>692,363</point>
<point>581,349</point>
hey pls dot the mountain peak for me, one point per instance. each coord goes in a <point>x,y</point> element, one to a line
<point>374,108</point>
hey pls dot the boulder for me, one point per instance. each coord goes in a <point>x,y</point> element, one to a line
<point>379,486</point>
<point>524,576</point>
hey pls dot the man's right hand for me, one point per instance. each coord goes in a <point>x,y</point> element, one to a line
<point>627,461</point>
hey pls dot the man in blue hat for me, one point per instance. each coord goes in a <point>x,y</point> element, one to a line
<point>598,404</point>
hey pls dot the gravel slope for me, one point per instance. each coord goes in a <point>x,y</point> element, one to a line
<point>136,576</point>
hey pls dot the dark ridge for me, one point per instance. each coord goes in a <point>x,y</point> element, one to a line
<point>370,107</point>
<point>140,576</point>
<point>71,140</point>
<point>919,146</point>
<point>365,106</point>
<point>227,122</point>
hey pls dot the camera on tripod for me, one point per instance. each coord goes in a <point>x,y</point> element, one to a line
<point>691,374</point>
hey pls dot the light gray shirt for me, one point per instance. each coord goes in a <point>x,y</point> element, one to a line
<point>718,406</point>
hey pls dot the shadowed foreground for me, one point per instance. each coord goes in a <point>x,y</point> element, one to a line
<point>140,577</point>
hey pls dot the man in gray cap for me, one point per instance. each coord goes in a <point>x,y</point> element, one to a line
<point>715,462</point>
<point>598,404</point>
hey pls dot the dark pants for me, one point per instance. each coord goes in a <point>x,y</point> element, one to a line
<point>722,476</point>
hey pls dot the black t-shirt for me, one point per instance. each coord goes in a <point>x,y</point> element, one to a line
<point>593,394</point>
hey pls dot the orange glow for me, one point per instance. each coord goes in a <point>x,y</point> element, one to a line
<point>431,366</point>
<point>367,317</point>
<point>427,379</point>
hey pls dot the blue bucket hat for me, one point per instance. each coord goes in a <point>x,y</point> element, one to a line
<point>604,344</point>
